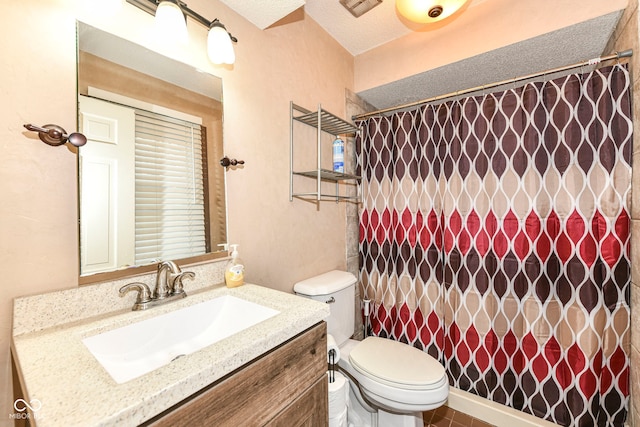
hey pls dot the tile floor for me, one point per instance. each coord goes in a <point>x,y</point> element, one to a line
<point>447,417</point>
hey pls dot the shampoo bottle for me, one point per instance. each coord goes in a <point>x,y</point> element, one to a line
<point>234,272</point>
<point>338,155</point>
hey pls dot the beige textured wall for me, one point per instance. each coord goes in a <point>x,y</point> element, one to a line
<point>478,30</point>
<point>281,242</point>
<point>38,235</point>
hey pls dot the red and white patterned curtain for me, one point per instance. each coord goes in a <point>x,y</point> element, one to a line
<point>495,236</point>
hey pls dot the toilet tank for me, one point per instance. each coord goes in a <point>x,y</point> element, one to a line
<point>336,288</point>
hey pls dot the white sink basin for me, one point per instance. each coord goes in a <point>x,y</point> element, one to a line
<point>133,350</point>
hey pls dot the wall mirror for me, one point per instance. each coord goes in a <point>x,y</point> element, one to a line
<point>150,184</point>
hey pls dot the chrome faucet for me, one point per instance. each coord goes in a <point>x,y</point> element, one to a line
<point>167,272</point>
<point>169,287</point>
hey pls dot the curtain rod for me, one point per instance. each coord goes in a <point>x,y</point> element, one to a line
<point>617,55</point>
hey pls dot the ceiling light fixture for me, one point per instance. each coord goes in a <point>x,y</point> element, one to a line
<point>428,11</point>
<point>171,17</point>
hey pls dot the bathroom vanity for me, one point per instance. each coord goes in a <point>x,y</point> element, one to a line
<point>271,373</point>
<point>286,387</point>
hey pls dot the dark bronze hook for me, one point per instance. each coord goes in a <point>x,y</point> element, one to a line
<point>54,135</point>
<point>226,162</point>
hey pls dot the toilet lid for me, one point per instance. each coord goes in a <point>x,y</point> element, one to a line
<point>396,364</point>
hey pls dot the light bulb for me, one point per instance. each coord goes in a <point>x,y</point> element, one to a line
<point>219,45</point>
<point>428,11</point>
<point>170,22</point>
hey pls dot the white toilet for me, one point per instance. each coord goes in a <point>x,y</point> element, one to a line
<point>399,381</point>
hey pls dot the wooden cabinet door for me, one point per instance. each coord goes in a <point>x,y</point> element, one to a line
<point>284,387</point>
<point>309,410</point>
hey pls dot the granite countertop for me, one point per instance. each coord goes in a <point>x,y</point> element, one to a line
<point>66,386</point>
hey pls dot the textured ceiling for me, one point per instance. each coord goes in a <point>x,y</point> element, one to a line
<point>263,13</point>
<point>372,29</point>
<point>381,25</point>
<point>376,27</point>
<point>569,45</point>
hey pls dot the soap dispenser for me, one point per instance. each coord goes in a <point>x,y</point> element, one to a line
<point>234,272</point>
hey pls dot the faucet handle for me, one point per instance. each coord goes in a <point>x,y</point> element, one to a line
<point>178,286</point>
<point>144,294</point>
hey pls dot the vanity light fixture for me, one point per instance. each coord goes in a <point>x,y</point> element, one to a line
<point>428,11</point>
<point>171,20</point>
<point>219,45</point>
<point>219,40</point>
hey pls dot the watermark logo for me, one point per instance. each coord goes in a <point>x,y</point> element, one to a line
<point>21,406</point>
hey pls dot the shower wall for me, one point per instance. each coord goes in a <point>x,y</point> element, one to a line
<point>626,37</point>
<point>354,106</point>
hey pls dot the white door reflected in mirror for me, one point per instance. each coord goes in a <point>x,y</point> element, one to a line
<point>107,183</point>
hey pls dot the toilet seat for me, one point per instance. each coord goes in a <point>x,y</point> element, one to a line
<point>396,376</point>
<point>396,364</point>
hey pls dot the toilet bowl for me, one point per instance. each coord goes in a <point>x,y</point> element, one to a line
<point>391,382</point>
<point>397,376</point>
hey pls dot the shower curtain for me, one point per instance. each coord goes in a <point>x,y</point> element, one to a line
<point>495,236</point>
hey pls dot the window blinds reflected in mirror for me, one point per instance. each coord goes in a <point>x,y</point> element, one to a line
<point>170,189</point>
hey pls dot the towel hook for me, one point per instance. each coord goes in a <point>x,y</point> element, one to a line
<point>54,135</point>
<point>226,162</point>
